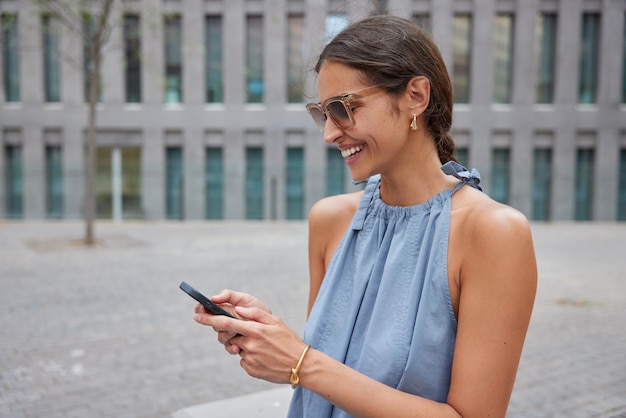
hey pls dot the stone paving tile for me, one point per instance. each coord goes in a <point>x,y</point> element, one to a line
<point>105,331</point>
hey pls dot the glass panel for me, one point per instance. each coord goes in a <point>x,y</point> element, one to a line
<point>584,184</point>
<point>335,172</point>
<point>54,181</point>
<point>295,37</point>
<point>542,172</point>
<point>14,185</point>
<point>588,75</point>
<point>546,54</point>
<point>132,54</point>
<point>503,58</point>
<point>624,64</point>
<point>104,183</point>
<point>51,62</point>
<point>174,183</point>
<point>335,23</point>
<point>295,183</point>
<point>213,56</point>
<point>173,59</point>
<point>131,183</point>
<point>214,183</point>
<point>10,57</point>
<point>254,59</point>
<point>621,200</point>
<point>254,183</point>
<point>89,26</point>
<point>500,175</point>
<point>462,154</point>
<point>461,57</point>
<point>423,21</point>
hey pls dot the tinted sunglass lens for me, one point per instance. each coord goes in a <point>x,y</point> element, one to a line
<point>339,113</point>
<point>319,117</point>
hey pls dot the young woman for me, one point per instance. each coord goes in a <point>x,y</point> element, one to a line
<point>421,286</point>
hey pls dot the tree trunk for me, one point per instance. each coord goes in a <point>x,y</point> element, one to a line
<point>90,146</point>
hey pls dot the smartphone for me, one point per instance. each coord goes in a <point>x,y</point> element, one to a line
<point>212,307</point>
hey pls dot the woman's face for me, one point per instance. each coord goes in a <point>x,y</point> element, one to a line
<point>379,134</point>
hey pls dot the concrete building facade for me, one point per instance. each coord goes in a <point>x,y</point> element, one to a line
<point>202,115</point>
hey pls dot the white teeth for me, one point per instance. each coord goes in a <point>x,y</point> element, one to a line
<point>350,151</point>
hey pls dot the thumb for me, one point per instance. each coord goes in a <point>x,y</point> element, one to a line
<point>254,314</point>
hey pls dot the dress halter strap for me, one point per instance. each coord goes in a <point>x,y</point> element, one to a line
<point>455,169</point>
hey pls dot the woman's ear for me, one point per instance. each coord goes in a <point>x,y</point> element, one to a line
<point>418,93</point>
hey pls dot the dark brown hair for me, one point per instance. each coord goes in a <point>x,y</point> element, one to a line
<point>389,51</point>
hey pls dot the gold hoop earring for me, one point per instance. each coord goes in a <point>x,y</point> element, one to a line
<point>414,123</point>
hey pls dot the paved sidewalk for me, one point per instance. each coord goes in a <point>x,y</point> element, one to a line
<point>105,332</point>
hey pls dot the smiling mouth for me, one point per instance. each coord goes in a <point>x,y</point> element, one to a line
<point>345,153</point>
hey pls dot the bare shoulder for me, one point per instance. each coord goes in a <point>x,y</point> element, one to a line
<point>484,220</point>
<point>334,211</point>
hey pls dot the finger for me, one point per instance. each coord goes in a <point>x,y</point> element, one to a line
<point>255,314</point>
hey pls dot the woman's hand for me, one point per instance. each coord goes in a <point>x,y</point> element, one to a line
<point>229,300</point>
<point>268,348</point>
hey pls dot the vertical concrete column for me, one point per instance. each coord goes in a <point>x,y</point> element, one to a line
<point>193,155</point>
<point>31,56</point>
<point>400,8</point>
<point>193,53</point>
<point>234,20</point>
<point>608,113</point>
<point>72,66</point>
<point>566,98</point>
<point>275,52</point>
<point>153,173</point>
<point>481,87</point>
<point>523,98</point>
<point>152,53</point>
<point>33,172</point>
<point>441,15</point>
<point>113,61</point>
<point>234,180</point>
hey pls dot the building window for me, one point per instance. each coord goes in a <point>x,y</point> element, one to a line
<point>462,155</point>
<point>10,57</point>
<point>14,186</point>
<point>104,183</point>
<point>132,53</point>
<point>295,38</point>
<point>621,195</point>
<point>545,32</point>
<point>542,179</point>
<point>500,174</point>
<point>89,27</point>
<point>335,172</point>
<point>294,187</point>
<point>335,23</point>
<point>254,183</point>
<point>213,66</point>
<point>174,185</point>
<point>503,58</point>
<point>51,62</point>
<point>54,181</point>
<point>254,59</point>
<point>173,59</point>
<point>584,184</point>
<point>461,57</point>
<point>423,21</point>
<point>624,64</point>
<point>588,70</point>
<point>214,183</point>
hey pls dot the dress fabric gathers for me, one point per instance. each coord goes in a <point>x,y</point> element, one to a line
<point>384,307</point>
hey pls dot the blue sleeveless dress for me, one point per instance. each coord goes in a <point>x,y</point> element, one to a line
<point>384,306</point>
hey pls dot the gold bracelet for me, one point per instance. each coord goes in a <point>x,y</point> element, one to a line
<point>294,379</point>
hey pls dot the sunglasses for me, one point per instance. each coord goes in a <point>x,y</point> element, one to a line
<point>337,108</point>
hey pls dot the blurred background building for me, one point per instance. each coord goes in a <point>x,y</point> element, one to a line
<point>201,112</point>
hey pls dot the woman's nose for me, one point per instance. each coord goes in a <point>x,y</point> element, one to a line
<point>331,131</point>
